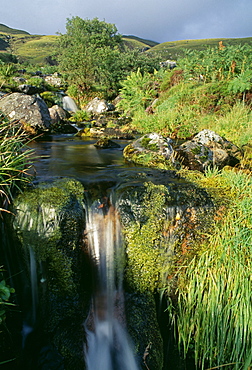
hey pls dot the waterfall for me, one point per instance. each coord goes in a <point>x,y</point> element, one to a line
<point>108,344</point>
<point>69,104</point>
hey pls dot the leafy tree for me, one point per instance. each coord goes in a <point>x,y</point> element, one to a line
<point>93,57</point>
<point>85,48</point>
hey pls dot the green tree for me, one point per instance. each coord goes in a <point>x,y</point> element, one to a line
<point>93,56</point>
<point>86,47</point>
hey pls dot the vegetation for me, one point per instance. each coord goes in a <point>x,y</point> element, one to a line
<point>15,160</point>
<point>211,87</point>
<point>214,300</point>
<point>93,57</point>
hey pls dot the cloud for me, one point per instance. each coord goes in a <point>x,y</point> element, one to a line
<point>159,20</point>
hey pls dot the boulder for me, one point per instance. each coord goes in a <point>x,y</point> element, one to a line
<point>208,149</point>
<point>152,150</point>
<point>31,111</point>
<point>48,224</point>
<point>54,80</point>
<point>57,114</point>
<point>98,106</point>
<point>29,89</point>
<point>105,143</point>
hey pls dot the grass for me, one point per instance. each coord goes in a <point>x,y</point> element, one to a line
<point>34,49</point>
<point>213,312</point>
<point>175,49</point>
<point>15,161</point>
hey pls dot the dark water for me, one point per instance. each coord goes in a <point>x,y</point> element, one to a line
<point>72,156</point>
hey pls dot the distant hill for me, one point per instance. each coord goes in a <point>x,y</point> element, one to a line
<point>39,49</point>
<point>174,50</point>
<point>11,31</point>
<point>142,41</point>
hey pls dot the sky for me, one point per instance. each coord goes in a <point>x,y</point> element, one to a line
<point>157,20</point>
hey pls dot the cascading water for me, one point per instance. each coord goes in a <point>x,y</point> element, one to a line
<point>69,104</point>
<point>108,346</point>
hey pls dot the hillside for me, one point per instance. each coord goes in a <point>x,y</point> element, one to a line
<point>11,31</point>
<point>174,50</point>
<point>39,49</point>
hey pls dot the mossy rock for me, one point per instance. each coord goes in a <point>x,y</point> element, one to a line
<point>144,330</point>
<point>49,222</point>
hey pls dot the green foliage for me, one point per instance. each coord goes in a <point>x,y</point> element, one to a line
<point>137,92</point>
<point>241,83</point>
<point>51,98</point>
<point>6,71</point>
<point>216,64</point>
<point>15,160</point>
<point>5,293</point>
<point>93,57</point>
<point>214,296</point>
<point>79,116</point>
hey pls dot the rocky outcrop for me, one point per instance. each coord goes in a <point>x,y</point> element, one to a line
<point>98,106</point>
<point>206,149</point>
<point>30,111</point>
<point>57,114</point>
<point>105,143</point>
<point>151,150</point>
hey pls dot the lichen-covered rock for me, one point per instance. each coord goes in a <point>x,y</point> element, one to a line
<point>208,149</point>
<point>152,150</point>
<point>162,225</point>
<point>31,111</point>
<point>54,80</point>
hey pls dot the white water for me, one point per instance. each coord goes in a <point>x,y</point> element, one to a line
<point>69,104</point>
<point>108,346</point>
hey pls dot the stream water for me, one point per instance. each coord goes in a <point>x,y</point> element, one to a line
<point>107,346</point>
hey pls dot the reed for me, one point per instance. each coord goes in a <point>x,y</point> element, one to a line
<point>15,160</point>
<point>214,305</point>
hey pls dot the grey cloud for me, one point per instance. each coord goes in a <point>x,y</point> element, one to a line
<point>159,20</point>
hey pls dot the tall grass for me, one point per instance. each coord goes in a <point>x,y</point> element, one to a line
<point>15,160</point>
<point>214,320</point>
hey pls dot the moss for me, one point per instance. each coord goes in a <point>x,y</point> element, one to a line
<point>144,240</point>
<point>48,220</point>
<point>147,158</point>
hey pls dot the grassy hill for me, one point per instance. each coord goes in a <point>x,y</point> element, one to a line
<point>174,50</point>
<point>139,42</point>
<point>11,31</point>
<point>38,49</point>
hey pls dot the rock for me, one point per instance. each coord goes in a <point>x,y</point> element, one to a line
<point>49,223</point>
<point>98,106</point>
<point>57,114</point>
<point>19,79</point>
<point>28,89</point>
<point>31,111</point>
<point>151,150</point>
<point>54,80</point>
<point>208,149</point>
<point>60,124</point>
<point>105,143</point>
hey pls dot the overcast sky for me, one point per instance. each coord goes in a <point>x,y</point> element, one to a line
<point>158,20</point>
